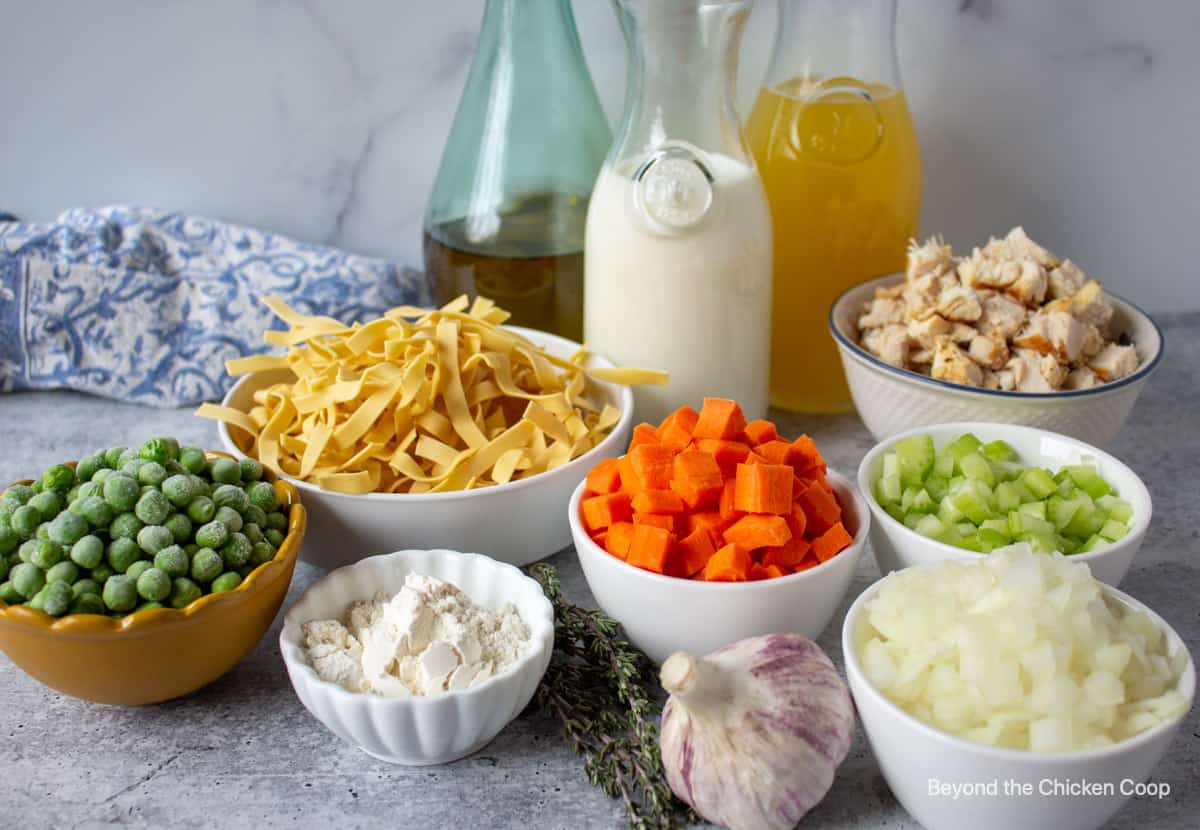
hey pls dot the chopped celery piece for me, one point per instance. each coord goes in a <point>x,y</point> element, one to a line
<point>971,543</point>
<point>891,465</point>
<point>1039,482</point>
<point>915,454</point>
<point>1095,542</point>
<point>1007,470</point>
<point>990,539</point>
<point>1113,530</point>
<point>931,526</point>
<point>1089,480</point>
<point>974,465</point>
<point>908,497</point>
<point>1116,508</point>
<point>1026,493</point>
<point>1086,522</point>
<point>1066,545</point>
<point>1062,511</point>
<point>1043,542</point>
<point>1067,488</point>
<point>923,503</point>
<point>894,511</point>
<point>962,445</point>
<point>1023,523</point>
<point>912,519</point>
<point>966,528</point>
<point>943,464</point>
<point>1008,496</point>
<point>1034,508</point>
<point>1062,476</point>
<point>889,490</point>
<point>999,526</point>
<point>998,451</point>
<point>936,486</point>
<point>956,482</point>
<point>948,513</point>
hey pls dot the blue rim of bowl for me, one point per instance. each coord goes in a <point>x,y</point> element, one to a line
<point>905,374</point>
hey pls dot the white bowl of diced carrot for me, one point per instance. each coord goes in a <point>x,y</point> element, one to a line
<point>711,529</point>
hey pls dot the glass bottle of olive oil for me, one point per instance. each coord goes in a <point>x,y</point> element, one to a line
<point>509,205</point>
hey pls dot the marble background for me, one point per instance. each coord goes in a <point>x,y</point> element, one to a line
<point>325,119</point>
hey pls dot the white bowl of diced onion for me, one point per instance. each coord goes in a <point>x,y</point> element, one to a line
<point>896,546</point>
<point>892,400</point>
<point>945,781</point>
<point>519,522</point>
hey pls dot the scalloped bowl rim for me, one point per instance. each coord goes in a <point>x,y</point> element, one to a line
<point>541,634</point>
<point>621,392</point>
<point>852,348</point>
<point>140,621</point>
<point>886,521</point>
<point>855,548</point>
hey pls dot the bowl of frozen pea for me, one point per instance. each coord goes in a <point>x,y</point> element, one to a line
<point>137,575</point>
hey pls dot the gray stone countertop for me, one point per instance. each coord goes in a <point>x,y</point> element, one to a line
<point>243,752</point>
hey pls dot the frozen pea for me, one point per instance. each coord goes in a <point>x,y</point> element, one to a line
<point>274,537</point>
<point>261,553</point>
<point>72,494</point>
<point>47,554</point>
<point>131,467</point>
<point>43,531</point>
<point>149,606</point>
<point>88,604</point>
<point>179,490</point>
<point>121,554</point>
<point>28,579</point>
<point>262,495</point>
<point>95,510</point>
<point>19,493</point>
<point>87,467</point>
<point>254,515</point>
<point>203,487</point>
<point>225,471</point>
<point>277,521</point>
<point>172,561</point>
<point>65,571</point>
<point>88,552</point>
<point>226,582</point>
<point>91,488</point>
<point>102,572</point>
<point>251,470</point>
<point>206,565</point>
<point>85,586</point>
<point>153,538</point>
<point>120,593</point>
<point>152,473</point>
<point>38,599</point>
<point>160,450</point>
<point>36,486</point>
<point>230,495</point>
<point>252,532</point>
<point>212,535</point>
<point>193,459</point>
<point>25,520</point>
<point>9,538</point>
<point>153,508</point>
<point>47,503</point>
<point>58,598</point>
<point>180,527</point>
<point>154,585</point>
<point>60,478</point>
<point>183,592</point>
<point>113,456</point>
<point>121,492</point>
<point>236,552</point>
<point>68,528</point>
<point>6,510</point>
<point>9,594</point>
<point>230,518</point>
<point>201,510</point>
<point>125,526</point>
<point>101,476</point>
<point>138,568</point>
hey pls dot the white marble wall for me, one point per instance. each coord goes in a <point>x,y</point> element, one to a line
<point>325,119</point>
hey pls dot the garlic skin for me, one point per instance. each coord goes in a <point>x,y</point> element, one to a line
<point>753,733</point>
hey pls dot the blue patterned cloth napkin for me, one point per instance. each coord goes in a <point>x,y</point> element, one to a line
<point>146,306</point>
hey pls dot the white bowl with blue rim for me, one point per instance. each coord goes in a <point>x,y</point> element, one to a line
<point>892,400</point>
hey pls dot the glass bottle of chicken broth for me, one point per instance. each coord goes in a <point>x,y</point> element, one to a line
<point>677,252</point>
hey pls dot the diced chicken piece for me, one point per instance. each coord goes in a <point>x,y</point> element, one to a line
<point>1056,332</point>
<point>1082,378</point>
<point>1090,305</point>
<point>1093,341</point>
<point>1064,280</point>
<point>962,333</point>
<point>881,312</point>
<point>888,343</point>
<point>922,293</point>
<point>952,364</point>
<point>1001,314</point>
<point>977,271</point>
<point>921,360</point>
<point>1034,372</point>
<point>924,333</point>
<point>1001,379</point>
<point>890,292</point>
<point>1018,245</point>
<point>933,256</point>
<point>959,303</point>
<point>989,350</point>
<point>1028,284</point>
<point>1114,362</point>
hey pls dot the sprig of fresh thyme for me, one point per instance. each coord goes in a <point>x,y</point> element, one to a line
<point>603,692</point>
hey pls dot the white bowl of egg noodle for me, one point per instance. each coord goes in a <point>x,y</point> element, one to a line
<point>518,522</point>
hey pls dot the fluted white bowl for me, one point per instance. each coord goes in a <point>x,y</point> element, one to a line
<point>891,400</point>
<point>419,731</point>
<point>897,546</point>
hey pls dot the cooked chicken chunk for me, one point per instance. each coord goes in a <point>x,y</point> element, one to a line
<point>959,303</point>
<point>1114,362</point>
<point>880,312</point>
<point>889,343</point>
<point>1082,378</point>
<point>1034,372</point>
<point>925,332</point>
<point>952,363</point>
<point>1059,333</point>
<point>1001,314</point>
<point>1090,305</point>
<point>1018,245</point>
<point>989,350</point>
<point>1064,280</point>
<point>1028,286</point>
<point>933,257</point>
<point>921,294</point>
<point>962,333</point>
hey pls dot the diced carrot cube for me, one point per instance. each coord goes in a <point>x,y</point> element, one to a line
<point>697,478</point>
<point>821,509</point>
<point>809,561</point>
<point>758,571</point>
<point>620,534</point>
<point>656,520</point>
<point>720,418</point>
<point>754,458</point>
<point>650,548</point>
<point>630,482</point>
<point>658,501</point>
<point>763,488</point>
<point>797,521</point>
<point>759,432</point>
<point>652,463</point>
<point>605,477</point>
<point>643,433</point>
<point>788,555</point>
<point>601,538</point>
<point>776,452</point>
<point>831,542</point>
<point>805,457</point>
<point>601,511</point>
<point>729,564</point>
<point>758,531</point>
<point>727,453</point>
<point>710,521</point>
<point>676,429</point>
<point>728,511</point>
<point>694,551</point>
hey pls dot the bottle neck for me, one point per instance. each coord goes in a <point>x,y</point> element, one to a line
<point>682,76</point>
<point>528,30</point>
<point>820,39</point>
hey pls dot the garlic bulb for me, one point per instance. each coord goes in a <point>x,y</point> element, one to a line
<point>752,733</point>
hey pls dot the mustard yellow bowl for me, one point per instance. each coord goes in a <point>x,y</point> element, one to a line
<point>152,656</point>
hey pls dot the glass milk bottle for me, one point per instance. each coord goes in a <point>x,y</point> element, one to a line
<point>838,154</point>
<point>677,256</point>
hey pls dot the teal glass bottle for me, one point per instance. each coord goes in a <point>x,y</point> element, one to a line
<point>509,205</point>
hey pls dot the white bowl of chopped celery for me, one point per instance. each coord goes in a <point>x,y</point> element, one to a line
<point>960,490</point>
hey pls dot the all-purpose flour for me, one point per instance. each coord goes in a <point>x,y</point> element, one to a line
<point>427,639</point>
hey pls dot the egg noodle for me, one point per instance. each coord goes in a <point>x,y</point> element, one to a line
<point>419,401</point>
